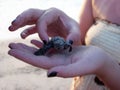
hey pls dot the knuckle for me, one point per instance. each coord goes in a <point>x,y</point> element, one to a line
<point>64,75</point>
<point>53,8</point>
<point>31,9</point>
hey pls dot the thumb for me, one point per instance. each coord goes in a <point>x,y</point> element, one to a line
<point>67,71</point>
<point>75,37</point>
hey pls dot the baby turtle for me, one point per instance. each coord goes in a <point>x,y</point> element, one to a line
<point>57,43</point>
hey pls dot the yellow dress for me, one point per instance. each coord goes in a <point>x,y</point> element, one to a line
<point>106,36</point>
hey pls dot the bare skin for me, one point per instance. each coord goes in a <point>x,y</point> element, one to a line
<point>103,9</point>
<point>110,12</point>
<point>46,23</point>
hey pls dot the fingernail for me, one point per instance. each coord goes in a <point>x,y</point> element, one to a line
<point>71,42</point>
<point>23,35</point>
<point>13,21</point>
<point>44,41</point>
<point>11,28</point>
<point>10,46</point>
<point>70,49</point>
<point>98,82</point>
<point>52,74</point>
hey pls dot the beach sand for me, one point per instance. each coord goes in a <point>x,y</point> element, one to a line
<point>17,75</point>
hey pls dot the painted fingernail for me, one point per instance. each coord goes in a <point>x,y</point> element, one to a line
<point>71,42</point>
<point>98,82</point>
<point>9,27</point>
<point>23,35</point>
<point>44,41</point>
<point>13,21</point>
<point>70,49</point>
<point>10,46</point>
<point>52,74</point>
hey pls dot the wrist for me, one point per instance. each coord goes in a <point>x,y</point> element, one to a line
<point>110,74</point>
<point>109,67</point>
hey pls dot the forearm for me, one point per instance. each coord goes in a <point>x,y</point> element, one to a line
<point>86,18</point>
<point>84,27</point>
<point>111,75</point>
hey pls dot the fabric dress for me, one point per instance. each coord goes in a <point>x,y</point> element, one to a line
<point>106,36</point>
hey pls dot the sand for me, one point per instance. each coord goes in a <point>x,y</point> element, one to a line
<point>17,75</point>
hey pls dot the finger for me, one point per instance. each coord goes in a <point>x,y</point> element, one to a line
<point>22,47</point>
<point>28,31</point>
<point>74,33</point>
<point>42,31</point>
<point>75,37</point>
<point>38,61</point>
<point>71,70</point>
<point>42,61</point>
<point>26,18</point>
<point>72,28</point>
<point>37,43</point>
<point>46,19</point>
<point>65,71</point>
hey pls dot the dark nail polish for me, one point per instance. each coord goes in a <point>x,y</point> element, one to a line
<point>52,74</point>
<point>37,52</point>
<point>71,42</point>
<point>44,41</point>
<point>98,82</point>
<point>10,47</point>
<point>9,27</point>
<point>70,49</point>
<point>13,21</point>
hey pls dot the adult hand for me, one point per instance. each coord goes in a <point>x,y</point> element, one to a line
<point>47,23</point>
<point>81,61</point>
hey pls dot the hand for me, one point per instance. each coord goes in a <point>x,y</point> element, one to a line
<point>81,61</point>
<point>47,23</point>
